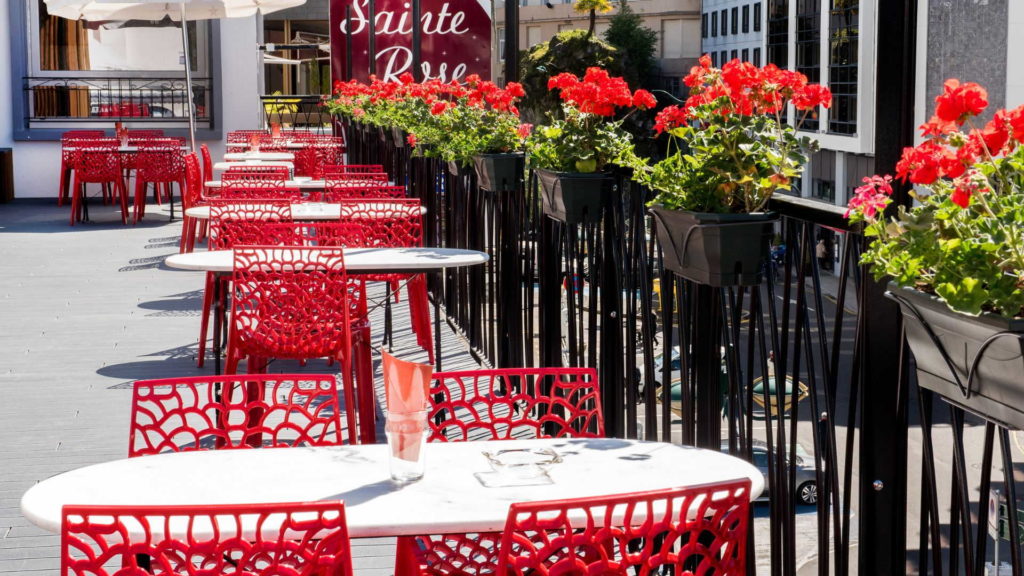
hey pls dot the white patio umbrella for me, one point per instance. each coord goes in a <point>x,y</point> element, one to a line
<point>99,10</point>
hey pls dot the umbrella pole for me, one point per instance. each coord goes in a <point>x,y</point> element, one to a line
<point>190,105</point>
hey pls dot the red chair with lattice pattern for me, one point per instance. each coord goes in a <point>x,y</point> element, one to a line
<point>253,184</point>
<point>499,404</point>
<point>97,162</point>
<point>232,412</point>
<point>299,303</point>
<point>395,223</point>
<point>243,136</point>
<point>162,164</point>
<point>301,538</point>
<point>340,193</point>
<point>234,223</point>
<point>694,530</point>
<point>191,197</point>
<point>311,160</point>
<point>68,144</point>
<point>353,169</point>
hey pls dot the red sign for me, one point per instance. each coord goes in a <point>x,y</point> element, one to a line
<point>455,38</point>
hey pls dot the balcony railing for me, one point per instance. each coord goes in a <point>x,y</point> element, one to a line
<point>296,112</point>
<point>53,100</point>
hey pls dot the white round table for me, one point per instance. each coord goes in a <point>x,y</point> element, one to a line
<point>278,163</point>
<point>311,211</point>
<point>357,260</point>
<point>449,498</point>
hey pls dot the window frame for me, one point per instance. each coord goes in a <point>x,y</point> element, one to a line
<point>714,24</point>
<point>757,16</point>
<point>734,17</point>
<point>746,18</point>
<point>725,22</point>
<point>24,47</point>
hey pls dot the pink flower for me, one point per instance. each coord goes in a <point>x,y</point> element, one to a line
<point>872,197</point>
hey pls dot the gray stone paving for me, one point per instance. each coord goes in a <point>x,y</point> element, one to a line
<point>85,311</point>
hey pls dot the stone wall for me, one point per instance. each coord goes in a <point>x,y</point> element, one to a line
<point>967,40</point>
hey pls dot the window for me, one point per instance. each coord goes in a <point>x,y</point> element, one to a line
<point>757,16</point>
<point>734,55</point>
<point>778,33</point>
<point>704,25</point>
<point>714,59</point>
<point>842,66</point>
<point>714,24</point>
<point>735,21</point>
<point>564,27</point>
<point>74,71</point>
<point>501,43</point>
<point>532,36</point>
<point>723,57</point>
<point>808,49</point>
<point>725,22</point>
<point>746,18</point>
<point>757,57</point>
<point>672,38</point>
<point>823,176</point>
<point>745,55</point>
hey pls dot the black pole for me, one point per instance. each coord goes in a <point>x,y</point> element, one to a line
<point>883,386</point>
<point>348,42</point>
<point>511,41</point>
<point>373,37</point>
<point>417,39</point>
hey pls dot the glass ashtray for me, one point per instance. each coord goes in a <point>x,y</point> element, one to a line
<point>522,462</point>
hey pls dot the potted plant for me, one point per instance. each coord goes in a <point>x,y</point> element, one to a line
<point>570,154</point>
<point>956,258</point>
<point>729,150</point>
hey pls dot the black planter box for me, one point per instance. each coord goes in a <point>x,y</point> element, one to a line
<point>499,172</point>
<point>715,249</point>
<point>398,137</point>
<point>574,197</point>
<point>946,344</point>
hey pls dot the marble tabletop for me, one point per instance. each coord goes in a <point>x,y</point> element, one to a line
<point>451,496</point>
<point>312,210</point>
<point>357,260</point>
<point>264,156</point>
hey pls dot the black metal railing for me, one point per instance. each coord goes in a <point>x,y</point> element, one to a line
<point>296,112</point>
<point>89,99</point>
<point>792,374</point>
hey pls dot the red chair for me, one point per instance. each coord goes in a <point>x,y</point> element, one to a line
<point>299,303</point>
<point>154,133</point>
<point>231,412</point>
<point>353,169</point>
<point>307,538</point>
<point>207,163</point>
<point>162,164</point>
<point>253,184</point>
<point>694,530</point>
<point>68,146</point>
<point>242,136</point>
<point>234,223</point>
<point>97,162</point>
<point>499,404</point>
<point>311,160</point>
<point>397,223</point>
<point>339,193</point>
<point>191,196</point>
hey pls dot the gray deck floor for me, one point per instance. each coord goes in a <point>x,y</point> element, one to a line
<point>84,312</point>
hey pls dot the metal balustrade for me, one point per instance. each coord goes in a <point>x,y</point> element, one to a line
<point>75,99</point>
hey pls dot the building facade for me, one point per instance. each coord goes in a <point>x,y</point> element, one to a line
<point>732,29</point>
<point>677,23</point>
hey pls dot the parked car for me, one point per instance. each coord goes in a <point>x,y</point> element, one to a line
<point>806,479</point>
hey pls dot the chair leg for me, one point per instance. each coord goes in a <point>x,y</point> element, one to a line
<point>406,563</point>
<point>348,390</point>
<point>364,388</point>
<point>65,183</point>
<point>204,323</point>
<point>75,201</point>
<point>139,204</point>
<point>122,194</point>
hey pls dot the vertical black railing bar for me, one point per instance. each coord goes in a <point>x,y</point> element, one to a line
<point>774,470</point>
<point>627,247</point>
<point>669,304</point>
<point>961,505</point>
<point>983,488</point>
<point>1011,504</point>
<point>595,269</point>
<point>610,263</point>
<point>930,496</point>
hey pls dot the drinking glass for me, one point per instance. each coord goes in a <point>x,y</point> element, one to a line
<point>407,438</point>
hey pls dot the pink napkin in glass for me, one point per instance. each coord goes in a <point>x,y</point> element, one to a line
<point>406,385</point>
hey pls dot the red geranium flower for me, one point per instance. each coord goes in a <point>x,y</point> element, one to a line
<point>960,101</point>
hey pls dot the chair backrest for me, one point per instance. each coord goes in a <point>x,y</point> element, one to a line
<point>697,530</point>
<point>311,160</point>
<point>257,170</point>
<point>236,223</point>
<point>293,302</point>
<point>395,223</point>
<point>511,403</point>
<point>160,161</point>
<point>353,169</point>
<point>352,179</point>
<point>266,539</point>
<point>339,193</point>
<point>97,160</point>
<point>153,133</point>
<point>193,192</point>
<point>257,184</point>
<point>242,136</point>
<point>207,162</point>
<point>82,134</point>
<point>232,412</point>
